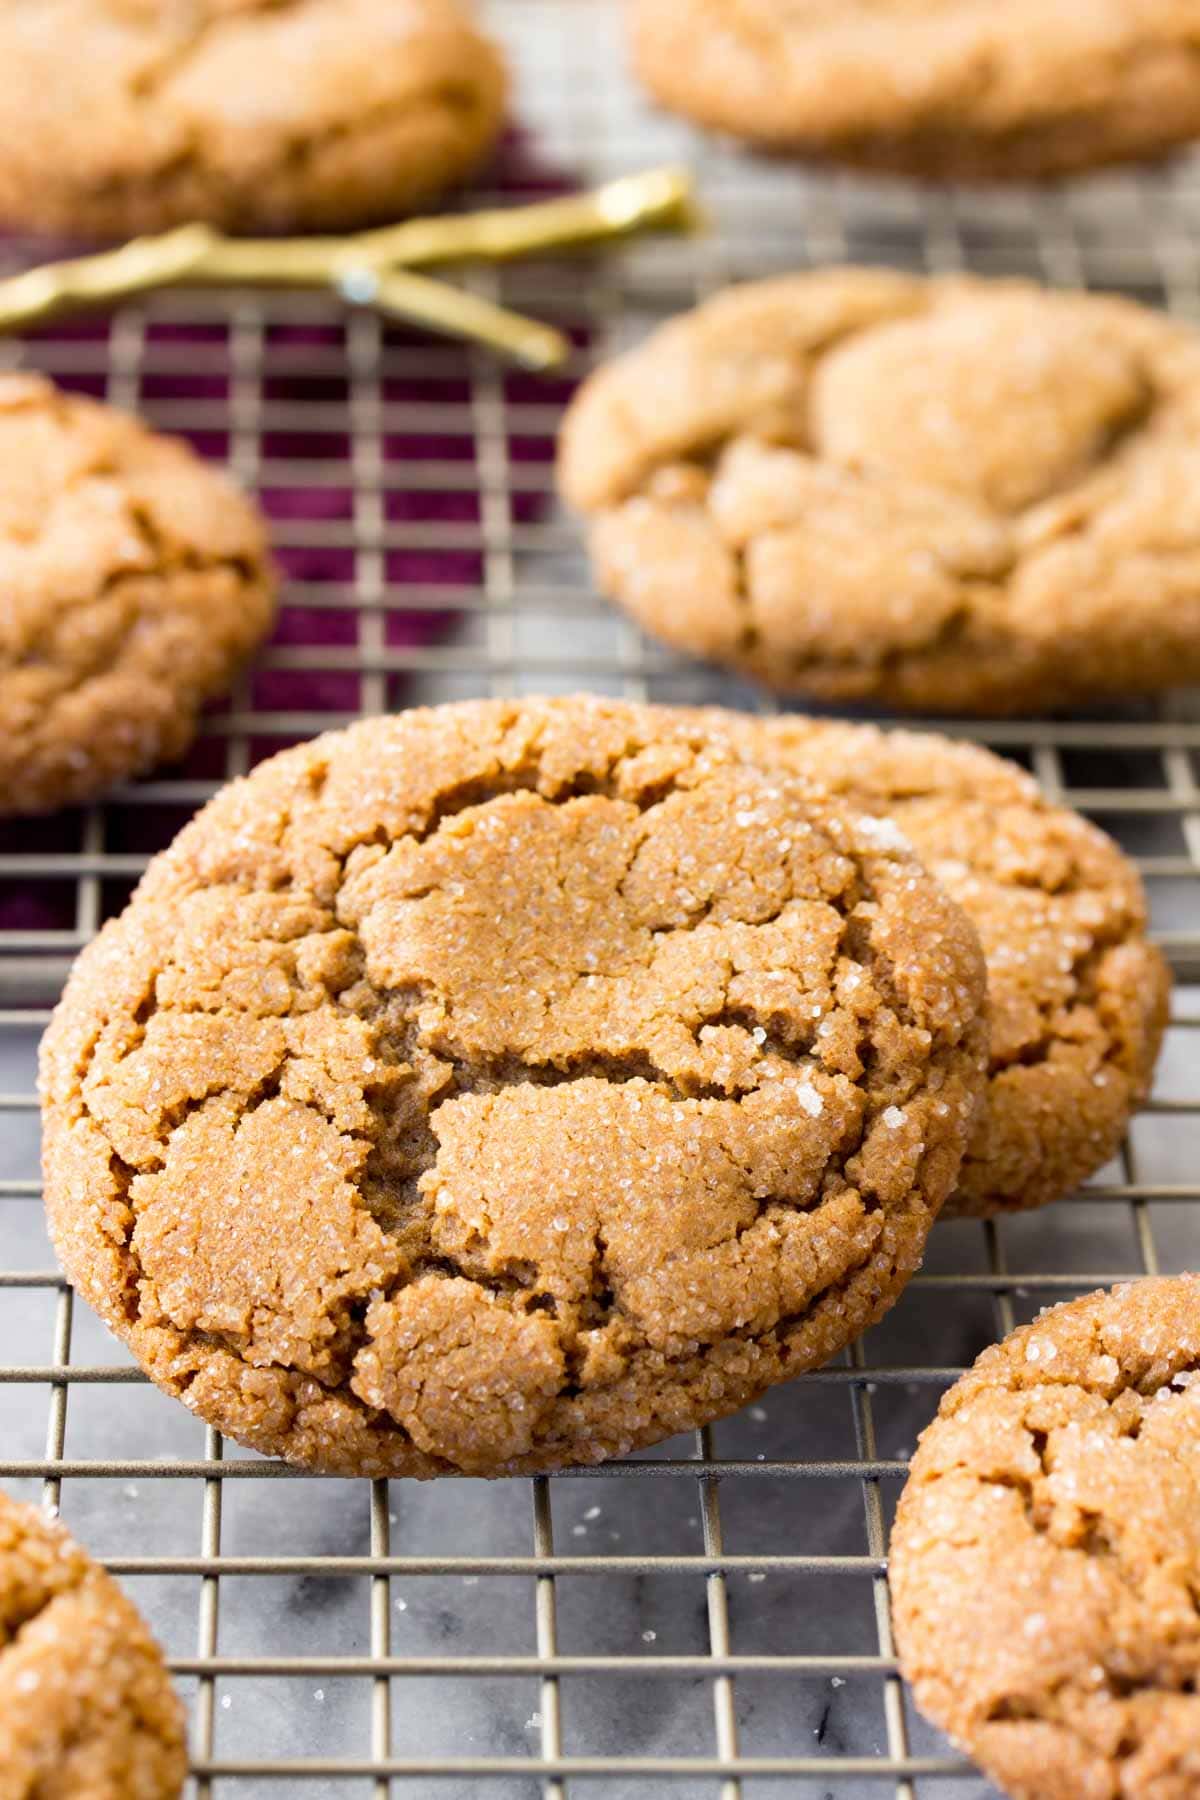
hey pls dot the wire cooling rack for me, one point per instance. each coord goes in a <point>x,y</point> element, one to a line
<point>710,1618</point>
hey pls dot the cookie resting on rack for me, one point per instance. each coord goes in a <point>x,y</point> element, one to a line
<point>949,89</point>
<point>1077,995</point>
<point>126,116</point>
<point>948,495</point>
<point>87,1710</point>
<point>507,1085</point>
<point>1045,1559</point>
<point>136,582</point>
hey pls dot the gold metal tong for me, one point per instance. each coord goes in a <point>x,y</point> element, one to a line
<point>374,268</point>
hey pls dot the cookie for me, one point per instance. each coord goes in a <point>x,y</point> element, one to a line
<point>1077,996</point>
<point>136,582</point>
<point>507,1085</point>
<point>1045,1559</point>
<point>953,495</point>
<point>123,116</point>
<point>87,1710</point>
<point>949,89</point>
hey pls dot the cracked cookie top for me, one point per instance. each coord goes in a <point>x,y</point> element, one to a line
<point>942,88</point>
<point>506,1085</point>
<point>1077,995</point>
<point>120,116</point>
<point>1045,1561</point>
<point>136,581</point>
<point>86,1705</point>
<point>948,494</point>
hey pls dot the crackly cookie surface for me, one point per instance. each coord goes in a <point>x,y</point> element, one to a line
<point>87,1710</point>
<point>1045,1559</point>
<point>135,582</point>
<point>941,88</point>
<point>1077,996</point>
<point>947,494</point>
<point>120,116</point>
<point>505,1085</point>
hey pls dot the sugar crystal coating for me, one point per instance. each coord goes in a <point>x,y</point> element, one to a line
<point>410,997</point>
<point>135,583</point>
<point>87,1711</point>
<point>1045,1558</point>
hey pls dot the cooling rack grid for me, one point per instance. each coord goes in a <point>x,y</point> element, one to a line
<point>709,1618</point>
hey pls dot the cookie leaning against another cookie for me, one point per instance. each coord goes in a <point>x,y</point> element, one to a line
<point>949,495</point>
<point>87,1710</point>
<point>124,116</point>
<point>1077,996</point>
<point>507,1085</point>
<point>135,582</point>
<point>1045,1559</point>
<point>951,89</point>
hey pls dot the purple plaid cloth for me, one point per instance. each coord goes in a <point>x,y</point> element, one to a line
<point>306,486</point>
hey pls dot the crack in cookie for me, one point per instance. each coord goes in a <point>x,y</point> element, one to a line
<point>1077,995</point>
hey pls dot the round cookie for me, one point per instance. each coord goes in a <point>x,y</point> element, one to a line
<point>949,89</point>
<point>507,1085</point>
<point>1045,1558</point>
<point>136,582</point>
<point>87,1710</point>
<point>124,116</point>
<point>948,495</point>
<point>1077,996</point>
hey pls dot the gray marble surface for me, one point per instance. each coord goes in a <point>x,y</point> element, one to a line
<point>644,1614</point>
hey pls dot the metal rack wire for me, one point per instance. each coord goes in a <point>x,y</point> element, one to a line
<point>710,1618</point>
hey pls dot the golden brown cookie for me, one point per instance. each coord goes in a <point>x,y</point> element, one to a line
<point>948,495</point>
<point>1077,996</point>
<point>507,1085</point>
<point>121,116</point>
<point>1045,1561</point>
<point>136,581</point>
<point>87,1710</point>
<point>950,89</point>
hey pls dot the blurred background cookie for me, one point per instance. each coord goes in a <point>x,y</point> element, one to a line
<point>123,116</point>
<point>87,1710</point>
<point>951,495</point>
<point>135,583</point>
<point>940,88</point>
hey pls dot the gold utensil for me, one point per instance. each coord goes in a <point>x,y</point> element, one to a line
<point>374,268</point>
